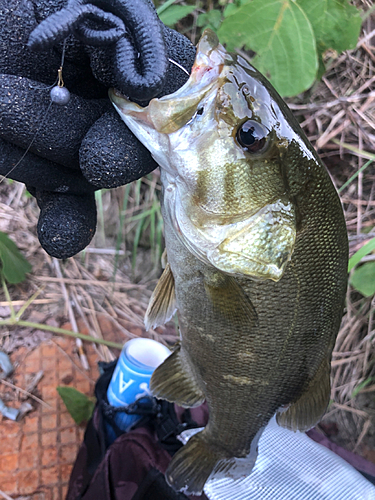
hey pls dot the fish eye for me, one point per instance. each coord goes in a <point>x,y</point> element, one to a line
<point>252,136</point>
<point>200,111</point>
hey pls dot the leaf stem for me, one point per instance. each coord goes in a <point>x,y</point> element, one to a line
<point>7,296</point>
<point>28,302</point>
<point>59,331</point>
<point>367,13</point>
<point>165,6</point>
<point>360,152</point>
<point>354,176</point>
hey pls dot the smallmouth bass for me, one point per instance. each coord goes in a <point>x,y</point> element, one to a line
<point>257,260</point>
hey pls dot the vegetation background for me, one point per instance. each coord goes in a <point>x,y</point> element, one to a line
<point>320,55</point>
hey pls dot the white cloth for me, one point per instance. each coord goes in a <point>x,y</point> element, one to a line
<point>291,466</point>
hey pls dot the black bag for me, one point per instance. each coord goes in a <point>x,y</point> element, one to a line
<point>133,466</point>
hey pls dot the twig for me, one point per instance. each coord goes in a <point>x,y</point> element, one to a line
<point>360,413</point>
<point>369,35</point>
<point>330,104</point>
<point>360,185</point>
<point>365,429</point>
<point>103,284</point>
<point>105,251</point>
<point>17,303</point>
<point>370,203</point>
<point>339,362</point>
<point>28,394</point>
<point>76,366</point>
<point>106,354</point>
<point>5,496</point>
<point>31,386</point>
<point>59,331</point>
<point>72,318</point>
<point>364,118</point>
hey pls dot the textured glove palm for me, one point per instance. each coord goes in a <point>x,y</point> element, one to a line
<point>76,148</point>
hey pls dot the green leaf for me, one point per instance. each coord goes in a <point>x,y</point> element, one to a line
<point>211,19</point>
<point>175,13</point>
<point>14,266</point>
<point>283,39</point>
<point>78,405</point>
<point>336,23</point>
<point>362,252</point>
<point>230,9</point>
<point>363,279</point>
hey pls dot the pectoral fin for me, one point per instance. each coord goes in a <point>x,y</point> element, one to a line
<point>311,406</point>
<point>162,304</point>
<point>175,381</point>
<point>230,301</point>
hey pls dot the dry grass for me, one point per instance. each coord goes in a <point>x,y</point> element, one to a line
<point>105,290</point>
<point>98,291</point>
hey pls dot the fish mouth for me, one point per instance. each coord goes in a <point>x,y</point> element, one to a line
<point>169,113</point>
<point>124,106</point>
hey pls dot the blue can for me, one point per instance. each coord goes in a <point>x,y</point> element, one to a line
<point>130,380</point>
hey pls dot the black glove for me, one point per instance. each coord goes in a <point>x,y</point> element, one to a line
<point>83,145</point>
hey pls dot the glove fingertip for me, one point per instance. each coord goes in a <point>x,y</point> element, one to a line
<point>111,156</point>
<point>66,223</point>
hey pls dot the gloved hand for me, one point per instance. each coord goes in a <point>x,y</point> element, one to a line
<point>72,150</point>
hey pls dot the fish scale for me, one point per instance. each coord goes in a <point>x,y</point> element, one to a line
<point>257,261</point>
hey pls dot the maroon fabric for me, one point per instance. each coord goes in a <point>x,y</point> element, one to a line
<point>356,461</point>
<point>126,463</point>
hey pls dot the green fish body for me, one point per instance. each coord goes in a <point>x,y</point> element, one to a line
<point>257,260</point>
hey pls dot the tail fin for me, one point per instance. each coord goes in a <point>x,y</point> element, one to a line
<point>192,465</point>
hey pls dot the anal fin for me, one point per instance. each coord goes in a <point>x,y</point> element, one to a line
<point>162,304</point>
<point>192,465</point>
<point>174,381</point>
<point>307,411</point>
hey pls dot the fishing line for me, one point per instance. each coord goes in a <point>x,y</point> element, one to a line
<point>29,146</point>
<point>59,94</point>
<point>179,66</point>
